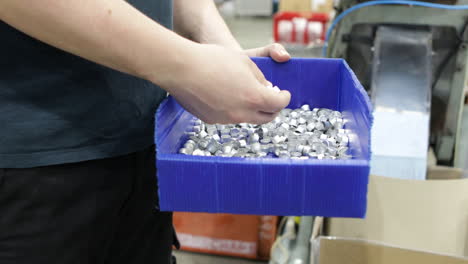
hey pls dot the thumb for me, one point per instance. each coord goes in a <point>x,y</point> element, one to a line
<point>274,101</point>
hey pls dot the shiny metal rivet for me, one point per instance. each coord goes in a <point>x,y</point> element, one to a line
<point>255,147</point>
<point>296,154</point>
<point>254,138</point>
<point>305,107</point>
<point>243,143</point>
<point>198,152</point>
<point>203,134</point>
<point>316,133</point>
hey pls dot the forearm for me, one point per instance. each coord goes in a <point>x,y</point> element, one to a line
<point>112,33</point>
<point>200,21</point>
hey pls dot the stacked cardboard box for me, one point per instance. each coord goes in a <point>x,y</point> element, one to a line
<point>429,215</point>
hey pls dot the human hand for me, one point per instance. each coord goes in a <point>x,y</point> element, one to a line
<point>220,85</point>
<point>276,51</point>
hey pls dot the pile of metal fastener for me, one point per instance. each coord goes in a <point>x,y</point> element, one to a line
<point>297,134</point>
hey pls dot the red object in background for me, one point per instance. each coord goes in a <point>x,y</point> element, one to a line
<point>323,18</point>
<point>246,236</point>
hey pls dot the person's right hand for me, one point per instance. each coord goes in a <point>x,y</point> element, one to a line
<point>219,85</point>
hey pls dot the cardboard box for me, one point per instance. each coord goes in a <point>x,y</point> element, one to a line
<point>247,236</point>
<point>295,5</point>
<point>427,215</point>
<point>316,6</point>
<point>331,250</point>
<point>322,6</point>
<point>272,186</point>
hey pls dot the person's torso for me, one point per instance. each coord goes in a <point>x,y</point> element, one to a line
<point>58,108</point>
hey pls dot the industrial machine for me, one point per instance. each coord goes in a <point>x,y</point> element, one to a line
<point>412,60</point>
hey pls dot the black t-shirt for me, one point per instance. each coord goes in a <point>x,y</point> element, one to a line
<point>58,108</point>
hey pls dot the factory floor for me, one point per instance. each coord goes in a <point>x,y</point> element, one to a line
<point>253,32</point>
<point>195,258</point>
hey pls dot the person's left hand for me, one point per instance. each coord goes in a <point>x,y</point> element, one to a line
<point>276,51</point>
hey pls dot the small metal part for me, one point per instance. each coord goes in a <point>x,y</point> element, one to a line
<point>242,143</point>
<point>254,138</point>
<point>216,137</point>
<point>203,134</point>
<point>306,150</point>
<point>285,112</point>
<point>263,131</point>
<point>265,148</point>
<point>190,142</point>
<point>198,152</point>
<point>225,131</point>
<point>296,154</point>
<point>277,120</point>
<point>183,151</point>
<point>196,129</point>
<point>294,114</point>
<point>300,129</point>
<point>305,107</point>
<point>336,114</point>
<point>203,144</point>
<point>327,125</point>
<point>332,151</point>
<point>226,138</point>
<point>319,126</point>
<point>293,122</point>
<point>189,147</point>
<point>227,149</point>
<point>213,146</point>
<point>278,139</point>
<point>255,147</point>
<point>300,134</point>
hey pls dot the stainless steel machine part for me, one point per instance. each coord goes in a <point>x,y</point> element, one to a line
<point>401,95</point>
<point>353,40</point>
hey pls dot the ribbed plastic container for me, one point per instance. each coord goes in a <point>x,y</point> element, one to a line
<point>271,186</point>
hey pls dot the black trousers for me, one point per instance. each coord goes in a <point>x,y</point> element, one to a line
<point>100,211</point>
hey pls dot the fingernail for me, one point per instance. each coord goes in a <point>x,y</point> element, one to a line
<point>283,53</point>
<point>276,89</point>
<point>269,85</point>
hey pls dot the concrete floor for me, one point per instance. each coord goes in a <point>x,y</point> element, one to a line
<point>195,258</point>
<point>253,32</point>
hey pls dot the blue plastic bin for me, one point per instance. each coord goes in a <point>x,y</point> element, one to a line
<point>270,186</point>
